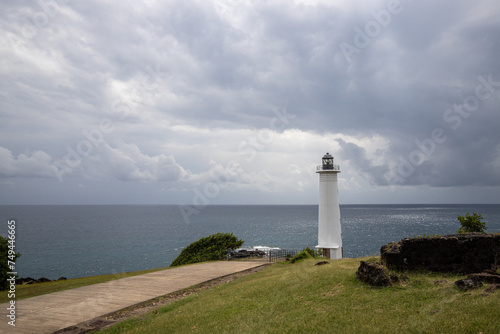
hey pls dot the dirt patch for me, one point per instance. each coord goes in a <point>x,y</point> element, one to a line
<point>150,305</point>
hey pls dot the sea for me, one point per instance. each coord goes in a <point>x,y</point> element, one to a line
<point>86,240</point>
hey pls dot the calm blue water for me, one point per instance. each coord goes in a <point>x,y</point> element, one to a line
<point>77,241</point>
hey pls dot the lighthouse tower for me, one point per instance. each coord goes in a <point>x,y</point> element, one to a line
<point>329,231</point>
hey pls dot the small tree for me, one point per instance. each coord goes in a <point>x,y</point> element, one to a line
<point>4,264</point>
<point>471,223</point>
<point>211,248</point>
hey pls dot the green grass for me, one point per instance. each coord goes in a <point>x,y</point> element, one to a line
<point>303,298</point>
<point>37,289</point>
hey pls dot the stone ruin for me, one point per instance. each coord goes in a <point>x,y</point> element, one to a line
<point>476,254</point>
<point>458,253</point>
<point>374,274</point>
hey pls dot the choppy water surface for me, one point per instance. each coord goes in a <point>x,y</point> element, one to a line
<point>76,241</point>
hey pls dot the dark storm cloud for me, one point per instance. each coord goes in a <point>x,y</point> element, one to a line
<point>173,74</point>
<point>357,156</point>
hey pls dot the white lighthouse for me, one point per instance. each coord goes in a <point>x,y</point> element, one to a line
<point>329,231</point>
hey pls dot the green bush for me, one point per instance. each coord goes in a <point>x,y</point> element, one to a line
<point>306,253</point>
<point>4,264</point>
<point>471,223</point>
<point>211,248</point>
<point>311,251</point>
<point>301,256</point>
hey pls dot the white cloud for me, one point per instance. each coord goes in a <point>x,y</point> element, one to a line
<point>126,162</point>
<point>25,165</point>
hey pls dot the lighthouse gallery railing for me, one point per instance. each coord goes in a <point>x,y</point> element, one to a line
<point>335,167</point>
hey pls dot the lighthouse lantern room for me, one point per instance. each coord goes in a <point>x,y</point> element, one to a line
<point>329,230</point>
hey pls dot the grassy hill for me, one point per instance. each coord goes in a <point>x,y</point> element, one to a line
<point>303,298</point>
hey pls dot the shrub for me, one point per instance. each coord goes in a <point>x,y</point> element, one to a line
<point>301,256</point>
<point>471,223</point>
<point>211,248</point>
<point>4,264</point>
<point>310,251</point>
<point>305,254</point>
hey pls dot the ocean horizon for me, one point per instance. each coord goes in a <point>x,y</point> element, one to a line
<point>87,240</point>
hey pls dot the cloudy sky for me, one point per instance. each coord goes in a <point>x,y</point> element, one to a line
<point>235,101</point>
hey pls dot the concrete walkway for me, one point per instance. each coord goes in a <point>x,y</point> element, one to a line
<point>58,310</point>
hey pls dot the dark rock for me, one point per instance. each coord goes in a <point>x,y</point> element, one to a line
<point>460,253</point>
<point>486,277</point>
<point>43,280</point>
<point>492,288</point>
<point>322,263</point>
<point>398,278</point>
<point>468,283</point>
<point>373,273</point>
<point>31,280</point>
<point>27,280</point>
<point>62,278</point>
<point>391,255</point>
<point>394,278</point>
<point>245,253</point>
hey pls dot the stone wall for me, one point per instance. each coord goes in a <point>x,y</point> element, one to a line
<point>460,253</point>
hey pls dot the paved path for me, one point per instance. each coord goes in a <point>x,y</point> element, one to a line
<point>58,310</point>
